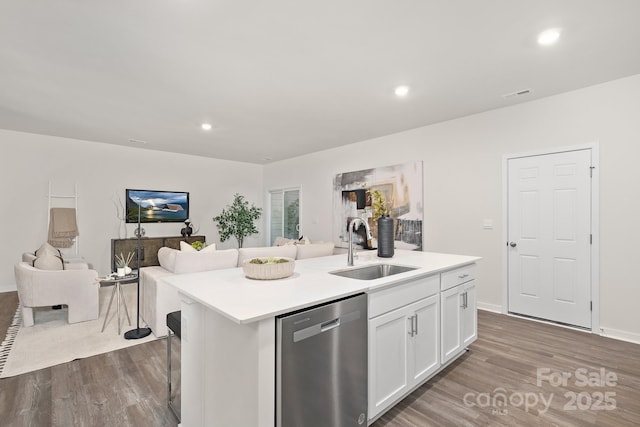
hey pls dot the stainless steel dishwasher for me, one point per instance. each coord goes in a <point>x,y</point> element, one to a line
<point>321,365</point>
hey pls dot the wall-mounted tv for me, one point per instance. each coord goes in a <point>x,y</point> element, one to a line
<point>157,206</point>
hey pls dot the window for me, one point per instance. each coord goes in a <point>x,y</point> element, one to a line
<point>284,214</point>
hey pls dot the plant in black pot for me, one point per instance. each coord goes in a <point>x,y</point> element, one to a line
<point>238,220</point>
<point>383,223</point>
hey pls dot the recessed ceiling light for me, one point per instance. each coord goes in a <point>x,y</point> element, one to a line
<point>206,126</point>
<point>402,91</point>
<point>548,37</point>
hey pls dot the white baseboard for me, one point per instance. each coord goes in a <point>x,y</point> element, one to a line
<point>620,335</point>
<point>8,288</point>
<point>489,307</point>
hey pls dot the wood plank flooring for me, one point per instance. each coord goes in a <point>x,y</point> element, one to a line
<point>128,387</point>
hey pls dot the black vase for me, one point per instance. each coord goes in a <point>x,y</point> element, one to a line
<point>385,236</point>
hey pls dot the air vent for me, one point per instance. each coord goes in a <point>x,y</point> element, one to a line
<point>518,93</point>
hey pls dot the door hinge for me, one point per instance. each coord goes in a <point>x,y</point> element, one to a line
<point>591,305</point>
<point>591,168</point>
<point>591,239</point>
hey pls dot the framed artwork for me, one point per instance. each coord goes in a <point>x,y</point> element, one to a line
<point>395,190</point>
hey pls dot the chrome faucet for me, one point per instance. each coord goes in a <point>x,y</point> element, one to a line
<point>354,222</point>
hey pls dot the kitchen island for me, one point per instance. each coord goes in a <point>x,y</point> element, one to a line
<point>228,327</point>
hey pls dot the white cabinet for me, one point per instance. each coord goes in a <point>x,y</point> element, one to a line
<point>458,312</point>
<point>403,341</point>
<point>469,314</point>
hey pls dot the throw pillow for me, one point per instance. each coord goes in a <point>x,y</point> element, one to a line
<point>186,247</point>
<point>167,258</point>
<point>208,248</point>
<point>283,241</point>
<point>48,262</point>
<point>46,248</point>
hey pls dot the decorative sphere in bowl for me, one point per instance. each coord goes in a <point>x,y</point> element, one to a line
<point>268,268</point>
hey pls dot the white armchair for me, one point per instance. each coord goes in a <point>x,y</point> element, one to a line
<point>77,288</point>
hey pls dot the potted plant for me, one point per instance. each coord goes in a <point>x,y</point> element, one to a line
<point>238,220</point>
<point>198,245</point>
<point>122,264</point>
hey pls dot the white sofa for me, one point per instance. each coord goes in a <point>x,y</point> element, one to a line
<point>157,298</point>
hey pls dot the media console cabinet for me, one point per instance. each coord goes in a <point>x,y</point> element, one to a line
<point>148,248</point>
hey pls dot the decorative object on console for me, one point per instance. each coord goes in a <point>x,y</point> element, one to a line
<point>139,232</point>
<point>198,245</point>
<point>268,268</point>
<point>187,230</point>
<point>238,220</point>
<point>121,214</point>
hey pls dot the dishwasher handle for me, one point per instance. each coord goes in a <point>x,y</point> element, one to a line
<point>330,324</point>
<point>319,328</point>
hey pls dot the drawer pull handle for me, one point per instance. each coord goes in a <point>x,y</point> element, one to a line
<point>462,276</point>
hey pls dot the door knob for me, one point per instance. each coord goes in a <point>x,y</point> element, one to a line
<point>513,244</point>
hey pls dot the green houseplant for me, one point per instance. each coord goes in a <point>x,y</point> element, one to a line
<point>238,220</point>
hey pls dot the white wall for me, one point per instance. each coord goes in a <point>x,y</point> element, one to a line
<point>102,173</point>
<point>463,183</point>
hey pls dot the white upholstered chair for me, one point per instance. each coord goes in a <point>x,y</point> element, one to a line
<point>77,288</point>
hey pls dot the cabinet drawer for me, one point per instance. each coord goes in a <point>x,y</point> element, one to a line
<point>457,276</point>
<point>397,296</point>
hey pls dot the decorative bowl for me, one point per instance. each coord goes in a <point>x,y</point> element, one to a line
<point>268,271</point>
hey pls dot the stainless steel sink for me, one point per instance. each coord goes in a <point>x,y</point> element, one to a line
<point>372,272</point>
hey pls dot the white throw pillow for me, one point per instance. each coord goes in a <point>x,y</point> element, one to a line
<point>208,248</point>
<point>187,262</point>
<point>282,241</point>
<point>167,258</point>
<point>314,250</point>
<point>48,262</point>
<point>186,247</point>
<point>47,249</point>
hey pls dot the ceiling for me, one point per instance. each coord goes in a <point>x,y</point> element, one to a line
<point>282,78</point>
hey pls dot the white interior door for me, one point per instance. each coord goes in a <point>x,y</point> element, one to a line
<point>549,232</point>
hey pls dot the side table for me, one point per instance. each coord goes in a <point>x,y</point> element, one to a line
<point>116,281</point>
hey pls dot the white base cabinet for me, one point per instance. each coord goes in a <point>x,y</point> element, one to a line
<point>458,312</point>
<point>415,329</point>
<point>403,351</point>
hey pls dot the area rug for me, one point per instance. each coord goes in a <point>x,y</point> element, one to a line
<point>52,340</point>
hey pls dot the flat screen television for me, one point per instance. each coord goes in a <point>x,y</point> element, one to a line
<point>157,206</point>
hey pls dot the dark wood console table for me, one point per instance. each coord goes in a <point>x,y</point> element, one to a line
<point>148,248</point>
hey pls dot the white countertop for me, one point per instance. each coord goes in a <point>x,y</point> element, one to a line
<point>244,300</point>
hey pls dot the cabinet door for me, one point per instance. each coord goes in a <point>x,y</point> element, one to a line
<point>451,307</point>
<point>424,345</point>
<point>469,314</point>
<point>148,250</point>
<point>388,370</point>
